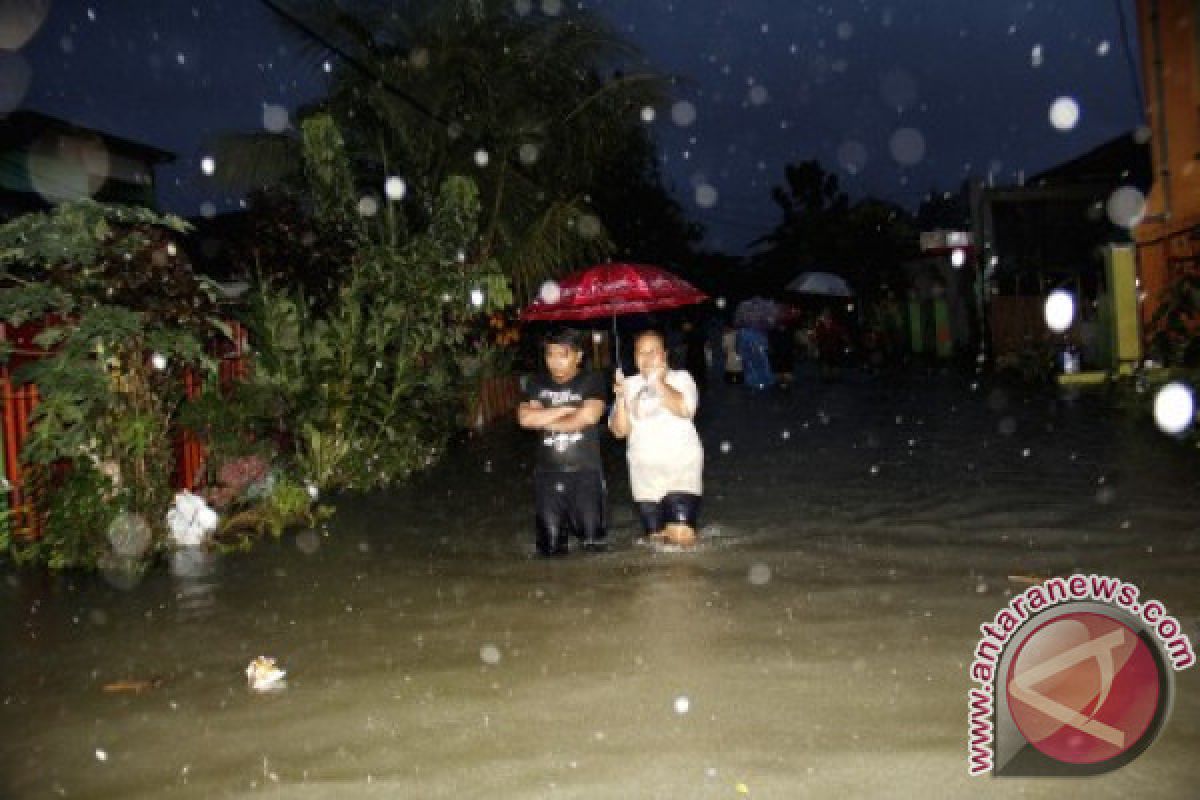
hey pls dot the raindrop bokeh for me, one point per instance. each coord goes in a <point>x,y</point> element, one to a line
<point>1059,310</point>
<point>683,113</point>
<point>1174,408</point>
<point>1064,114</point>
<point>395,188</point>
<point>907,146</point>
<point>275,118</point>
<point>1126,207</point>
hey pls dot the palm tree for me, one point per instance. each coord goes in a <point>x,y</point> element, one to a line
<point>528,105</point>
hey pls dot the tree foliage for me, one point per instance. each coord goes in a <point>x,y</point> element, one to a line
<point>531,106</point>
<point>370,384</point>
<point>821,229</point>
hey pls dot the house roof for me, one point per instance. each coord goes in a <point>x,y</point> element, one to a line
<point>1119,161</point>
<point>19,128</point>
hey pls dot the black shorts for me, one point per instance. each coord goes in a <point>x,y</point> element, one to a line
<point>676,507</point>
<point>566,503</point>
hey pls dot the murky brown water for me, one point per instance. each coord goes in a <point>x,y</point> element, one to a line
<point>816,645</point>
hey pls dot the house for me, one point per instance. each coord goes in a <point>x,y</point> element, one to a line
<point>45,161</point>
<point>1168,238</point>
<point>1055,232</point>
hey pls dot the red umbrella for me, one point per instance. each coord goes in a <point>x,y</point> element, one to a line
<point>610,289</point>
<point>607,290</point>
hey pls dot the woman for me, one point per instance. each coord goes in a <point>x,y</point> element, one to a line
<point>666,460</point>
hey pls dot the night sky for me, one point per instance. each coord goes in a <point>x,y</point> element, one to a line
<point>898,97</point>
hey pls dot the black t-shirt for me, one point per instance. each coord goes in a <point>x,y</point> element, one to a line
<point>567,452</point>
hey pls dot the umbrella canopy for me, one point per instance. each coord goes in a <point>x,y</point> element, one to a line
<point>822,283</point>
<point>607,290</point>
<point>757,312</point>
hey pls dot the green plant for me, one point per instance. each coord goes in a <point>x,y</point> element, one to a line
<point>122,318</point>
<point>81,504</point>
<point>286,504</point>
<point>233,422</point>
<point>370,384</point>
<point>552,101</point>
<point>1175,339</point>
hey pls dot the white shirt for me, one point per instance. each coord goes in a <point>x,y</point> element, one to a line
<point>664,451</point>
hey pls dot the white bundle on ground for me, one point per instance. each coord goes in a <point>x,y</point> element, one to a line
<point>190,521</point>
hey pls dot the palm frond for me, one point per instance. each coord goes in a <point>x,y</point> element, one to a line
<point>256,160</point>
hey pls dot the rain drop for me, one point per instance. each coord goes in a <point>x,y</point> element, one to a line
<point>682,704</point>
<point>550,292</point>
<point>528,153</point>
<point>368,206</point>
<point>706,196</point>
<point>1126,206</point>
<point>275,118</point>
<point>395,188</point>
<point>1064,113</point>
<point>589,226</point>
<point>683,113</point>
<point>1060,310</point>
<point>1174,408</point>
<point>759,575</point>
<point>907,146</point>
<point>418,58</point>
<point>481,158</point>
<point>489,654</point>
<point>207,165</point>
<point>308,542</point>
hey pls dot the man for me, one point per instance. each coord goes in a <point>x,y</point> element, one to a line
<point>565,404</point>
<point>666,459</point>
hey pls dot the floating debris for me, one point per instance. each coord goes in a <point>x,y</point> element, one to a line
<point>264,676</point>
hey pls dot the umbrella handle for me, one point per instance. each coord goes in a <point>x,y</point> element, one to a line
<point>617,345</point>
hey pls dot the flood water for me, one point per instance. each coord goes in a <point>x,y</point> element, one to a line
<point>815,645</point>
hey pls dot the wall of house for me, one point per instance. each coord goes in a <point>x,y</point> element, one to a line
<point>1169,37</point>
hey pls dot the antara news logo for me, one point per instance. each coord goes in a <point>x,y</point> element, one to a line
<point>1076,677</point>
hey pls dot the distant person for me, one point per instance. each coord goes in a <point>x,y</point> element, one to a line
<point>654,409</point>
<point>565,404</point>
<point>732,362</point>
<point>782,345</point>
<point>753,349</point>
<point>830,338</point>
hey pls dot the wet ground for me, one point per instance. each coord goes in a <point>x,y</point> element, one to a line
<point>815,645</point>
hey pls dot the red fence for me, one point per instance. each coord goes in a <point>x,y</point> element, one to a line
<point>497,397</point>
<point>20,399</point>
